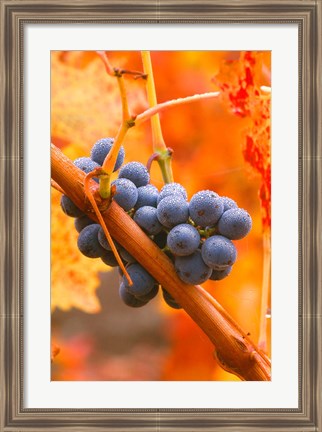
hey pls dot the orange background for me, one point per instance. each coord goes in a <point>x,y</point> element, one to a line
<point>99,338</point>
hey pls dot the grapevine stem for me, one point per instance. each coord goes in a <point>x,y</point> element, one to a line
<point>57,187</point>
<point>107,64</point>
<point>174,102</point>
<point>116,71</point>
<point>157,137</point>
<point>159,147</point>
<point>153,157</point>
<point>109,162</point>
<point>164,162</point>
<point>125,106</point>
<point>262,343</point>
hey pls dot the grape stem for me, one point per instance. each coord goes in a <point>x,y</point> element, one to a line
<point>110,70</point>
<point>109,162</point>
<point>158,143</point>
<point>125,106</point>
<point>90,197</point>
<point>108,67</point>
<point>172,103</point>
<point>207,232</point>
<point>234,350</point>
<point>153,157</point>
<point>157,137</point>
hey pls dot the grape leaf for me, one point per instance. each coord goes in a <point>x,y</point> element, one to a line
<point>74,278</point>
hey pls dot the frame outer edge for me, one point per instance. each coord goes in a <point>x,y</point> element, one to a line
<point>7,325</point>
<point>318,126</point>
<point>2,225</point>
<point>9,233</point>
<point>11,215</point>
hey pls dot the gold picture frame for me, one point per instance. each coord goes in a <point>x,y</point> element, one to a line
<point>307,15</point>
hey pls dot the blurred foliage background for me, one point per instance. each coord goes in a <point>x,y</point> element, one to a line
<point>94,335</point>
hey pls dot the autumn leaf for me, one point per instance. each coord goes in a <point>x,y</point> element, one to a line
<point>85,101</point>
<point>74,278</point>
<point>240,82</point>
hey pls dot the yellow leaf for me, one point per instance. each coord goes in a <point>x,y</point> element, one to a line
<point>74,278</point>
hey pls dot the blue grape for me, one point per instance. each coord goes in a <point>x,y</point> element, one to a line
<point>172,189</point>
<point>170,301</point>
<point>102,148</point>
<point>88,242</point>
<point>205,208</point>
<point>126,256</point>
<point>192,269</point>
<point>83,221</point>
<point>147,196</point>
<point>228,203</point>
<point>143,282</point>
<point>103,240</point>
<point>235,224</point>
<point>87,165</point>
<point>183,240</point>
<point>109,259</point>
<point>150,295</point>
<point>218,252</point>
<point>69,208</point>
<point>172,210</point>
<point>129,299</point>
<point>220,274</point>
<point>126,193</point>
<point>146,217</point>
<point>136,172</point>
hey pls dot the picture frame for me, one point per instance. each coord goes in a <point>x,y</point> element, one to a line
<point>14,15</point>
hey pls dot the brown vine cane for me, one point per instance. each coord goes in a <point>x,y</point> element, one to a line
<point>234,350</point>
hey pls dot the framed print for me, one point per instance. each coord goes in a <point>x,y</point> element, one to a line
<point>210,114</point>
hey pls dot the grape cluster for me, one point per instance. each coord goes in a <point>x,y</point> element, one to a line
<point>200,232</point>
<point>196,235</point>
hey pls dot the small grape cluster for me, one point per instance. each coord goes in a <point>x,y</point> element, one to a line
<point>197,235</point>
